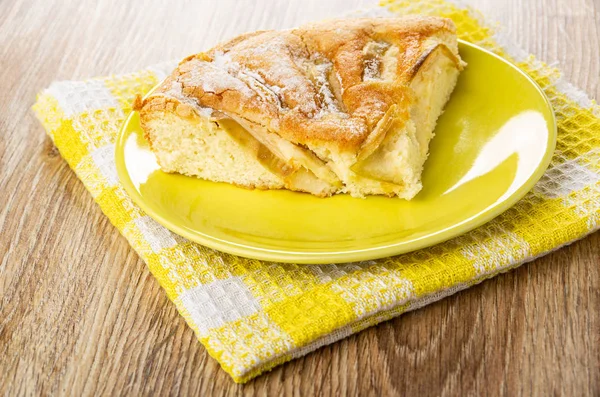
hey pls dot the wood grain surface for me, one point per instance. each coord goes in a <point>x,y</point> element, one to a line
<point>81,315</point>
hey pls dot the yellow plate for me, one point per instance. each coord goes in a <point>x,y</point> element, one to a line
<point>492,144</point>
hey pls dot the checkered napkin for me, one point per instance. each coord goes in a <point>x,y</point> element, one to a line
<point>252,315</point>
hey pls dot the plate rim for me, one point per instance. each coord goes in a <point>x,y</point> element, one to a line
<point>345,256</point>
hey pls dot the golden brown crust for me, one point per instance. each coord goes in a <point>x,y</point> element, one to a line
<point>320,83</point>
<point>160,103</point>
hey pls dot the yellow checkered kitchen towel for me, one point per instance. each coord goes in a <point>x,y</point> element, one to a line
<point>252,315</point>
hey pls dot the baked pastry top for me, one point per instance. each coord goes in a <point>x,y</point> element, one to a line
<point>314,105</point>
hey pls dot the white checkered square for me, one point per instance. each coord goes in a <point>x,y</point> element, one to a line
<point>215,304</point>
<point>158,236</point>
<point>328,273</point>
<point>492,254</point>
<point>104,159</point>
<point>76,97</point>
<point>562,179</point>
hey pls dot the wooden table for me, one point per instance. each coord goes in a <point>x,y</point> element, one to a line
<point>81,314</point>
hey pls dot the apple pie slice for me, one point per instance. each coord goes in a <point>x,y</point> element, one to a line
<point>340,106</point>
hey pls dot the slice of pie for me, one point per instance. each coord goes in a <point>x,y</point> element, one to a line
<point>340,106</point>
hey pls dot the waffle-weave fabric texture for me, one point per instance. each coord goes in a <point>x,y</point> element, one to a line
<point>252,315</point>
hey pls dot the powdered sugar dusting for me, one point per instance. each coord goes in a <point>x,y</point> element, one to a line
<point>372,67</point>
<point>276,64</point>
<point>257,83</point>
<point>321,74</point>
<point>225,73</point>
<point>176,91</point>
<point>274,74</point>
<point>256,76</point>
<point>215,80</point>
<point>223,61</point>
<point>219,76</point>
<point>373,52</point>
